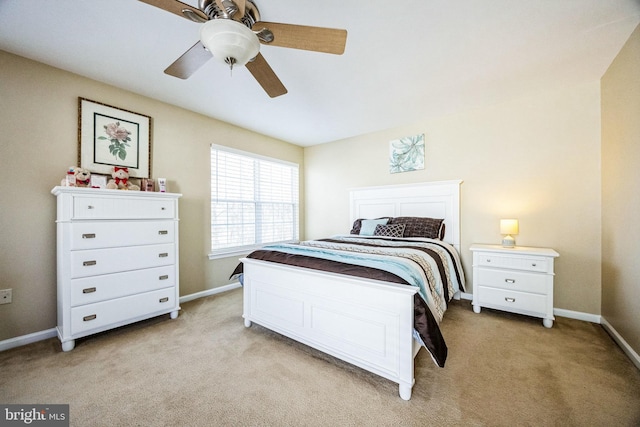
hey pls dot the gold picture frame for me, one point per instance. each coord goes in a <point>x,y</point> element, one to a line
<point>109,136</point>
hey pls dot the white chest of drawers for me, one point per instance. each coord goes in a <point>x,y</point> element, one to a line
<point>518,280</point>
<point>117,259</point>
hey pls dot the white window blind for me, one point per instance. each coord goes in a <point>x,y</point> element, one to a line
<point>254,201</point>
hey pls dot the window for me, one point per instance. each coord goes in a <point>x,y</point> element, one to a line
<point>254,201</point>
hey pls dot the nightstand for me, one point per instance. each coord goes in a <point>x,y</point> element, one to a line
<point>518,280</point>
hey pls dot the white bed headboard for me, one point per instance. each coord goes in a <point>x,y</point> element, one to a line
<point>439,199</point>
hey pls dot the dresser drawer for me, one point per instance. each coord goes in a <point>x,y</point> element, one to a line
<point>103,314</point>
<point>114,260</point>
<point>106,234</point>
<point>97,207</point>
<point>88,290</point>
<point>512,280</point>
<point>512,300</point>
<point>515,262</point>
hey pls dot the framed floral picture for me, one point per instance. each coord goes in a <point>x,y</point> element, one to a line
<point>406,154</point>
<point>109,136</point>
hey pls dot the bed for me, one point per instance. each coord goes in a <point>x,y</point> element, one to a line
<point>339,294</point>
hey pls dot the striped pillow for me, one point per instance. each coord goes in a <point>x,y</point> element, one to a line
<point>431,228</point>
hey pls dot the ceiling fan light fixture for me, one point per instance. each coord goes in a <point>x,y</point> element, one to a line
<point>229,41</point>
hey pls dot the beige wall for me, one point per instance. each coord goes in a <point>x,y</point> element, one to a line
<point>536,159</point>
<point>621,192</point>
<point>38,141</point>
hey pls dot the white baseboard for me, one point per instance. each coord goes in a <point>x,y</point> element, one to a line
<point>624,345</point>
<point>51,333</point>
<point>578,315</point>
<point>210,292</point>
<point>27,339</point>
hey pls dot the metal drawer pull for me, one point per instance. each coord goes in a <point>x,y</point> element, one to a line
<point>89,236</point>
<point>87,263</point>
<point>488,260</point>
<point>533,264</point>
<point>91,317</point>
<point>90,207</point>
<point>510,299</point>
<point>510,280</point>
<point>163,232</point>
<point>163,208</point>
<point>164,277</point>
<point>88,290</point>
<point>165,299</point>
<point>163,255</point>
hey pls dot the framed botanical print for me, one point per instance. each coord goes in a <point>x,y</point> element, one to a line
<point>109,136</point>
<point>406,154</point>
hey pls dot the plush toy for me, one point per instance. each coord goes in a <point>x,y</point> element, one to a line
<point>83,177</point>
<point>77,177</point>
<point>120,180</point>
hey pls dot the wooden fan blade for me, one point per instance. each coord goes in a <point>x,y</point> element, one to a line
<point>189,62</point>
<point>241,8</point>
<point>317,39</point>
<point>175,6</point>
<point>264,74</point>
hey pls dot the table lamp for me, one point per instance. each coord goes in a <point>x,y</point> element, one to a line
<point>508,227</point>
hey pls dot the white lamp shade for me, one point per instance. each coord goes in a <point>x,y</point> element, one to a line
<point>509,226</point>
<point>226,38</point>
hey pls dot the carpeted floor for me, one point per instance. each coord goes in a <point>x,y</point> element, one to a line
<point>206,369</point>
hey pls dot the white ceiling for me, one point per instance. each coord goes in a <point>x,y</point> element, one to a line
<point>404,61</point>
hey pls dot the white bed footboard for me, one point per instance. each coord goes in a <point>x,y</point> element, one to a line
<point>363,322</point>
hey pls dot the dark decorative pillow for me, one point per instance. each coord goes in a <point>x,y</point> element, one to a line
<point>393,230</point>
<point>357,224</point>
<point>431,228</point>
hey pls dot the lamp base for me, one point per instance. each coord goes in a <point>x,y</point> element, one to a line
<point>508,242</point>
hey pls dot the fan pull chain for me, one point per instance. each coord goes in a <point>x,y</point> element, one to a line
<point>229,60</point>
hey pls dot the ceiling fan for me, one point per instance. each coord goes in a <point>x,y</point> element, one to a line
<point>232,32</point>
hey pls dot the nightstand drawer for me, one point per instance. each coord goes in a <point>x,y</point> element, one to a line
<point>515,262</point>
<point>512,300</point>
<point>512,280</point>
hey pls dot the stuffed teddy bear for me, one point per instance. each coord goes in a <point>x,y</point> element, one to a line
<point>120,180</point>
<point>80,177</point>
<point>83,177</point>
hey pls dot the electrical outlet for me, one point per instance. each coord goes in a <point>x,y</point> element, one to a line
<point>5,296</point>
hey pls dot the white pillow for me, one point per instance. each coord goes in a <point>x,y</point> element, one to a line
<point>369,225</point>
